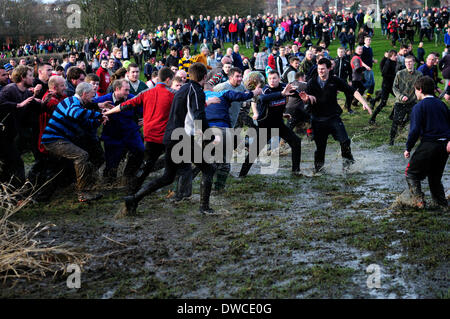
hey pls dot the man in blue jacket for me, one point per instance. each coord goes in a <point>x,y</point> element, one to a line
<point>269,114</point>
<point>121,134</point>
<point>218,116</point>
<point>430,120</point>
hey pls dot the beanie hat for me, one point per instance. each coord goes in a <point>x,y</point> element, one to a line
<point>8,67</point>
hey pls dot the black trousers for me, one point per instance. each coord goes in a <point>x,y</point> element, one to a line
<point>402,112</point>
<point>322,129</point>
<point>170,172</point>
<point>386,89</point>
<point>151,154</point>
<point>286,134</point>
<point>12,167</point>
<point>298,115</point>
<point>429,161</point>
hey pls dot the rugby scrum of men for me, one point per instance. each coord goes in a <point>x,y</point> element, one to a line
<point>58,115</point>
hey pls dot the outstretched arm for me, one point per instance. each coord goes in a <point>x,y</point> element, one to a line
<point>363,101</point>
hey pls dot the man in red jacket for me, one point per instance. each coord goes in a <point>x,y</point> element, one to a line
<point>232,28</point>
<point>156,103</point>
<point>49,168</point>
<point>105,78</point>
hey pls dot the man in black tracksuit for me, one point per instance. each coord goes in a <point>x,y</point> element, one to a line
<point>326,112</point>
<point>269,114</point>
<point>430,120</point>
<point>187,111</point>
<point>388,67</point>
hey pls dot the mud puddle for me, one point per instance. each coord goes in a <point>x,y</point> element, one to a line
<point>276,236</point>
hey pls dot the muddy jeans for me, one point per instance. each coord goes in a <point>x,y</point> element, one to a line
<point>83,168</point>
<point>402,112</point>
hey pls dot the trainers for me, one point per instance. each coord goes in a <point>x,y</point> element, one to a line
<point>88,197</point>
<point>206,211</point>
<point>371,122</point>
<point>351,112</point>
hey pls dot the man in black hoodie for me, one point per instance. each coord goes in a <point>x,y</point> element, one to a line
<point>187,111</point>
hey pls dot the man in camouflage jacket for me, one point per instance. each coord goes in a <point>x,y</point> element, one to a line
<point>405,97</point>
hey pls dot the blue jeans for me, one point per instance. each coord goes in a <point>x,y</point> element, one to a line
<point>369,84</point>
<point>115,149</point>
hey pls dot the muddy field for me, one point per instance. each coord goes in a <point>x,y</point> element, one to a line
<point>275,236</point>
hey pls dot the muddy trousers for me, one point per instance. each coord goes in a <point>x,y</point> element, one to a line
<point>384,96</point>
<point>401,117</point>
<point>429,161</point>
<point>170,172</point>
<point>298,116</point>
<point>152,152</point>
<point>12,168</point>
<point>115,150</point>
<point>48,174</point>
<point>84,169</point>
<point>222,165</point>
<point>322,129</point>
<point>285,133</point>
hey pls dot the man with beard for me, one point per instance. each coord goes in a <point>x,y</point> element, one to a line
<point>16,100</point>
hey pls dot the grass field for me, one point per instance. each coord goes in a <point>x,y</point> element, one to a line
<point>276,236</point>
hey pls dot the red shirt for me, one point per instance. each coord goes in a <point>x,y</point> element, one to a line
<point>105,80</point>
<point>45,116</point>
<point>156,103</point>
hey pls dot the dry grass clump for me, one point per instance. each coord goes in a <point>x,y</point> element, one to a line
<point>22,253</point>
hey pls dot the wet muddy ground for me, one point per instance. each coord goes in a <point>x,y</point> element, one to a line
<point>275,236</point>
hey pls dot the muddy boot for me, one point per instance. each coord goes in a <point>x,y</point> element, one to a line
<point>129,208</point>
<point>184,186</point>
<point>376,112</point>
<point>392,134</point>
<point>318,167</point>
<point>440,203</point>
<point>221,181</point>
<point>346,163</point>
<point>347,157</point>
<point>245,169</point>
<point>415,189</point>
<point>205,192</point>
<point>438,194</point>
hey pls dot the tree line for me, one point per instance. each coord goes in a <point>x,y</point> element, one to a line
<point>29,19</point>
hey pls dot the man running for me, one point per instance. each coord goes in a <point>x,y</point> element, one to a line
<point>326,112</point>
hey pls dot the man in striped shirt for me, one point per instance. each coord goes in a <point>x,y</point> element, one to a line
<point>186,61</point>
<point>70,120</point>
